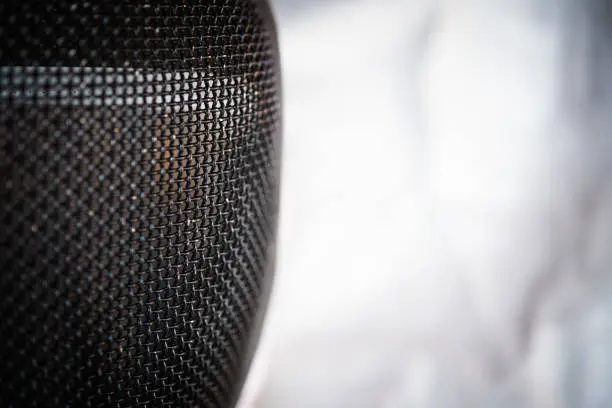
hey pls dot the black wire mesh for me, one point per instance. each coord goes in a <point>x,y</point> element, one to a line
<point>138,199</point>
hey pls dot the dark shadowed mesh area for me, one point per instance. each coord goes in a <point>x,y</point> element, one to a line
<point>138,199</point>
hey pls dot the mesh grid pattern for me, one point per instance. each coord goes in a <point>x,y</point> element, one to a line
<point>138,199</point>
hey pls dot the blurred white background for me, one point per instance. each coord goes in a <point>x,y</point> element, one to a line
<point>446,207</point>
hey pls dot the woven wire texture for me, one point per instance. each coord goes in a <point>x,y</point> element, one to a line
<point>138,198</point>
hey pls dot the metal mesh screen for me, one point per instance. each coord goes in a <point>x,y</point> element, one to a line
<point>138,188</point>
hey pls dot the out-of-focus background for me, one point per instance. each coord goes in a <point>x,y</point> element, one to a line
<point>446,218</point>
